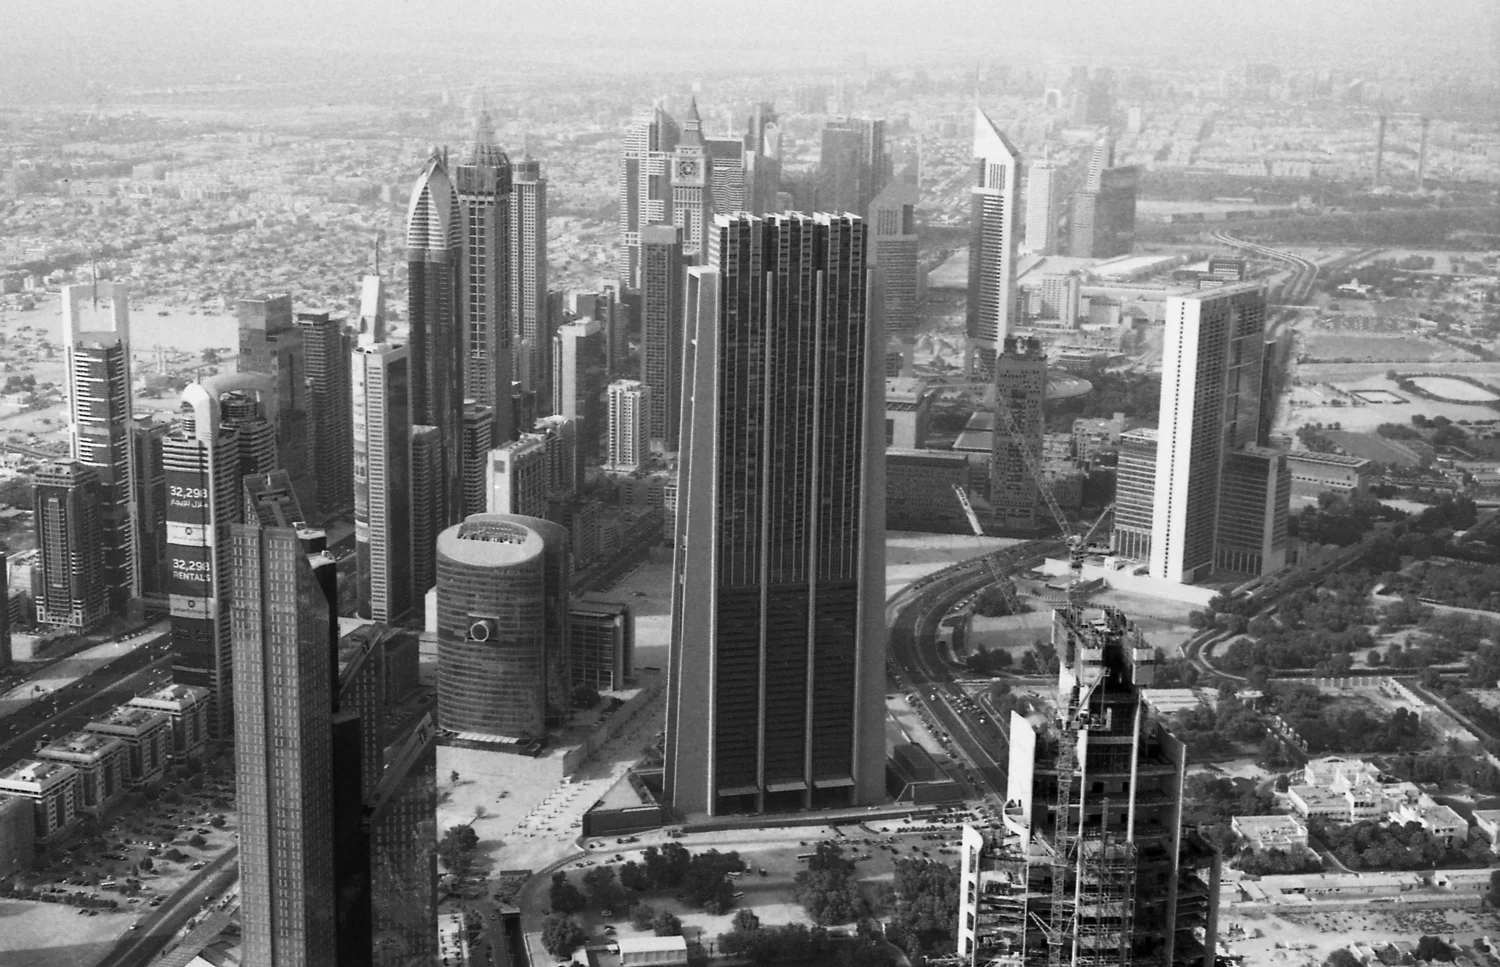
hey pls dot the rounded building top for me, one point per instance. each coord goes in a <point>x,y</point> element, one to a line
<point>490,540</point>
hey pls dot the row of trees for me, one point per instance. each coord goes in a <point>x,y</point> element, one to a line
<point>1374,845</point>
<point>826,887</point>
<point>1329,725</point>
<point>795,943</point>
<point>1214,731</point>
<point>702,880</point>
<point>922,904</point>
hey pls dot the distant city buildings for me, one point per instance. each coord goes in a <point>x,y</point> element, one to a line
<point>778,634</point>
<point>853,166</point>
<point>273,344</point>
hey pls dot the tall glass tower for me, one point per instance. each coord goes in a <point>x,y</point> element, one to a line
<point>992,245</point>
<point>778,634</point>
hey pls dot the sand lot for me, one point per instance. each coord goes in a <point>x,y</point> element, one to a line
<point>30,932</point>
<point>1319,934</point>
<point>1314,402</point>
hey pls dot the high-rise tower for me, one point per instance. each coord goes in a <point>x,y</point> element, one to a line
<point>663,275</point>
<point>894,251</point>
<point>1091,866</point>
<point>778,633</point>
<point>692,199</point>
<point>629,408</point>
<point>272,343</point>
<point>853,168</point>
<point>96,338</point>
<point>327,344</point>
<point>1211,401</point>
<point>483,184</point>
<point>992,244</point>
<point>382,407</point>
<point>436,287</point>
<point>146,436</point>
<point>528,245</point>
<point>1021,388</point>
<point>645,186</point>
<point>68,521</point>
<point>579,377</point>
<point>1042,191</point>
<point>283,748</point>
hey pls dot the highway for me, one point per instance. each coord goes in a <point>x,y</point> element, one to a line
<point>1304,271</point>
<point>139,947</point>
<point>914,623</point>
<point>73,706</point>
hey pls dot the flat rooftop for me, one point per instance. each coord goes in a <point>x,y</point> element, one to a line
<point>130,717</point>
<point>33,770</point>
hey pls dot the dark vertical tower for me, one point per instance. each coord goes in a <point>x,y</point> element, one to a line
<point>483,183</point>
<point>436,285</point>
<point>528,273</point>
<point>426,523</point>
<point>853,167</point>
<point>272,343</point>
<point>67,517</point>
<point>778,634</point>
<point>327,345</point>
<point>663,275</point>
<point>403,852</point>
<point>479,427</point>
<point>283,749</point>
<point>146,436</point>
<point>96,337</point>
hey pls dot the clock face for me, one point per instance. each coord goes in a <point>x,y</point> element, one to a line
<point>687,168</point>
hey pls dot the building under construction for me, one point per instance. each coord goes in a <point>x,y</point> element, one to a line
<point>1091,866</point>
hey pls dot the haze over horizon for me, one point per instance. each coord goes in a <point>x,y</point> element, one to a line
<point>172,42</point>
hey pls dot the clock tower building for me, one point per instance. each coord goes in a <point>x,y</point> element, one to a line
<point>692,201</point>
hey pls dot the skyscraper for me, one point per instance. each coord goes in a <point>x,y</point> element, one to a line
<point>579,377</point>
<point>516,477</point>
<point>146,436</point>
<point>992,244</point>
<point>529,272</point>
<point>426,523</point>
<point>1114,213</point>
<point>1212,384</point>
<point>96,339</point>
<point>436,289</point>
<point>778,633</point>
<point>272,343</point>
<point>692,196</point>
<point>1042,190</point>
<point>403,852</point>
<point>68,520</point>
<point>645,186</point>
<point>853,167</point>
<point>1135,494</point>
<point>492,627</point>
<point>483,184</point>
<point>327,344</point>
<point>203,455</point>
<point>629,406</point>
<point>1021,389</point>
<point>1090,864</point>
<point>283,749</point>
<point>663,275</point>
<point>382,409</point>
<point>894,250</point>
<point>762,177</point>
<point>479,426</point>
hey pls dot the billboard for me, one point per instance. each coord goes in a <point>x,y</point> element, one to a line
<point>187,497</point>
<point>191,571</point>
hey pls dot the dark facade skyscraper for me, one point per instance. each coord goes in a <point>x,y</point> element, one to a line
<point>1021,388</point>
<point>272,343</point>
<point>853,168</point>
<point>425,482</point>
<point>579,378</point>
<point>479,427</point>
<point>645,187</point>
<point>96,338</point>
<point>1114,212</point>
<point>146,436</point>
<point>992,244</point>
<point>778,633</point>
<point>403,852</point>
<point>663,276</point>
<point>283,749</point>
<point>528,273</point>
<point>381,389</point>
<point>327,344</point>
<point>894,250</point>
<point>68,519</point>
<point>483,183</point>
<point>436,286</point>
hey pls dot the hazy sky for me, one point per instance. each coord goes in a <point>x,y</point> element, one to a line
<point>154,36</point>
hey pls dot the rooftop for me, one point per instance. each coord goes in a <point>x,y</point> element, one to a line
<point>81,743</point>
<point>33,770</point>
<point>1329,459</point>
<point>130,716</point>
<point>188,694</point>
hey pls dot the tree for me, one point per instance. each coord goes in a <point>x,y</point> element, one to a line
<point>562,935</point>
<point>145,864</point>
<point>196,841</point>
<point>746,920</point>
<point>1433,948</point>
<point>642,916</point>
<point>217,822</point>
<point>633,876</point>
<point>585,696</point>
<point>602,888</point>
<point>210,356</point>
<point>456,849</point>
<point>667,866</point>
<point>564,896</point>
<point>15,492</point>
<point>666,924</point>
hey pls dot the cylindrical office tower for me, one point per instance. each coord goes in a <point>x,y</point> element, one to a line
<point>492,628</point>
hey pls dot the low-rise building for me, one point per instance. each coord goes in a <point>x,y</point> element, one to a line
<point>1261,833</point>
<point>51,787</point>
<point>187,708</point>
<point>17,834</point>
<point>1317,473</point>
<point>147,734</point>
<point>100,762</point>
<point>1487,821</point>
<point>1095,436</point>
<point>919,488</point>
<point>1440,821</point>
<point>652,951</point>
